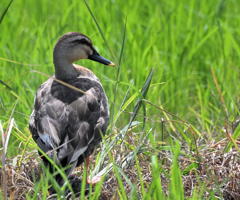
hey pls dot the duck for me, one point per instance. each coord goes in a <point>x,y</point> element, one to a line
<point>70,111</point>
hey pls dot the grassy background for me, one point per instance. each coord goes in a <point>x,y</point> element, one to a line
<point>182,40</point>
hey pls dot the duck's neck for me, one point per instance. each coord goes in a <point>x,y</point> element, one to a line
<point>64,69</point>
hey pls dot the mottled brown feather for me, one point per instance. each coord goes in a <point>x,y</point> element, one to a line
<point>68,121</point>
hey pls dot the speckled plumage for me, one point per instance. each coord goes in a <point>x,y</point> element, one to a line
<point>68,121</point>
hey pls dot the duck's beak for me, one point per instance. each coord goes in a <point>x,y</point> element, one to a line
<point>98,58</point>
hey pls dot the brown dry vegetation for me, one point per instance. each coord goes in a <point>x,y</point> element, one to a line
<point>218,172</point>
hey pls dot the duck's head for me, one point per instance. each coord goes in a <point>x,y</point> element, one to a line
<point>74,46</point>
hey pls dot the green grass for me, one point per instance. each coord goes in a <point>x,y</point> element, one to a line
<point>182,40</point>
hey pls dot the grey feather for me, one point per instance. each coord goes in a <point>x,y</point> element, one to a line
<point>66,121</point>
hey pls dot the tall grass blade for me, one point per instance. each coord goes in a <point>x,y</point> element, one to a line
<point>229,34</point>
<point>1,82</point>
<point>202,41</point>
<point>232,138</point>
<point>8,133</point>
<point>100,30</point>
<point>117,79</point>
<point>15,62</point>
<point>156,178</point>
<point>140,176</point>
<point>231,98</point>
<point>98,188</point>
<point>219,91</point>
<point>166,115</point>
<point>120,109</point>
<point>11,90</point>
<point>176,181</point>
<point>5,11</point>
<point>4,178</point>
<point>120,183</point>
<point>139,102</point>
<point>83,181</point>
<point>9,130</point>
<point>24,150</point>
<point>158,193</point>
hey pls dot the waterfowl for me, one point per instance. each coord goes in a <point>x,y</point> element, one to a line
<point>66,123</point>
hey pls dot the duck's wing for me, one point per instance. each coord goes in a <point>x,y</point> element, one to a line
<point>48,121</point>
<point>69,121</point>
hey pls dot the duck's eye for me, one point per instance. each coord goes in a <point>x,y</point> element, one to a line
<point>83,41</point>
